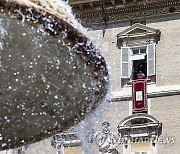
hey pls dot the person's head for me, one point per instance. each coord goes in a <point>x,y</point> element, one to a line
<point>105,126</point>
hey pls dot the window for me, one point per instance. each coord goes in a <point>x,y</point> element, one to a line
<point>137,44</point>
<point>138,21</point>
<point>135,60</point>
<point>67,139</point>
<point>139,50</point>
<point>139,66</point>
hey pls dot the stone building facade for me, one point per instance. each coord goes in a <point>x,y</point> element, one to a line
<point>134,25</point>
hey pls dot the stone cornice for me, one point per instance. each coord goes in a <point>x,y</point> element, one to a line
<point>152,92</point>
<point>120,13</point>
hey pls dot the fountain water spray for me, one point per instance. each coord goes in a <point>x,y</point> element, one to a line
<point>52,75</point>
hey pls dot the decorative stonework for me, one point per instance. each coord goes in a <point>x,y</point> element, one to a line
<point>126,12</point>
<point>139,128</point>
<point>163,91</point>
<point>138,30</point>
<point>131,126</point>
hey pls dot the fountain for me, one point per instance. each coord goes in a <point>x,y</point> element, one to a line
<point>52,75</point>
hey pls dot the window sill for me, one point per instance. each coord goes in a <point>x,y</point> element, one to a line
<point>129,84</point>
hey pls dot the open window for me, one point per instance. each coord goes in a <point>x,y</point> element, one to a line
<point>139,61</point>
<point>138,50</point>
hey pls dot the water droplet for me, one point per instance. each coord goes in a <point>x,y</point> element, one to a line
<point>3,144</point>
<point>56,97</point>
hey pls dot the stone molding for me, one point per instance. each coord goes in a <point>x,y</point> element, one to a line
<point>145,31</point>
<point>152,92</point>
<point>122,13</point>
<point>130,128</point>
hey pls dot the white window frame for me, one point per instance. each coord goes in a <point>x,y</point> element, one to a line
<point>125,62</point>
<point>132,57</point>
<point>138,48</point>
<point>137,56</point>
<point>152,59</point>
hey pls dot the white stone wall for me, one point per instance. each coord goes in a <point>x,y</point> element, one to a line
<point>165,109</point>
<point>167,50</point>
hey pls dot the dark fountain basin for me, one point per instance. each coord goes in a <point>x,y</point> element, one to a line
<point>51,75</point>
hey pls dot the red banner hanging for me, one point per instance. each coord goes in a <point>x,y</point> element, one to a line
<point>139,95</point>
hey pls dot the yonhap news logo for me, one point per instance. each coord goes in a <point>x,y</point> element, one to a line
<point>159,140</point>
<point>165,140</point>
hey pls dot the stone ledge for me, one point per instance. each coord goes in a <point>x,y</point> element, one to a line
<point>152,92</point>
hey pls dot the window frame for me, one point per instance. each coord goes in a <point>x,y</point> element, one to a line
<point>143,22</point>
<point>139,50</point>
<point>125,62</point>
<point>138,56</point>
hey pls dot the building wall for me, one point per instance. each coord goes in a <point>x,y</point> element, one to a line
<point>167,53</point>
<point>167,50</point>
<point>165,109</point>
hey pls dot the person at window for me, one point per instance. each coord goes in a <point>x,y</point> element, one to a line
<point>140,75</point>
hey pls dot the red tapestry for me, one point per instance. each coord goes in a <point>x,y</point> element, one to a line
<point>139,95</point>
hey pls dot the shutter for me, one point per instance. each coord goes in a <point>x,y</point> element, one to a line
<point>125,73</point>
<point>151,59</point>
